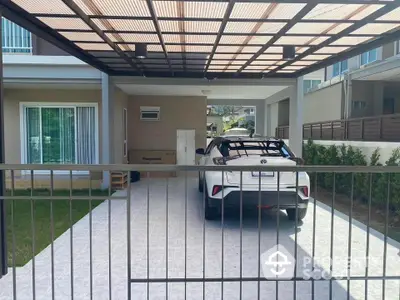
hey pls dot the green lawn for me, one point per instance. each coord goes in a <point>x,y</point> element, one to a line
<point>23,220</point>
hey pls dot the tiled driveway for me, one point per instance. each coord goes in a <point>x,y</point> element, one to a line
<point>194,262</point>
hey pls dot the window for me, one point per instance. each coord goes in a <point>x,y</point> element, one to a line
<point>15,38</point>
<point>58,134</point>
<point>369,57</point>
<point>398,47</point>
<point>125,125</point>
<point>340,68</point>
<point>359,104</point>
<point>310,84</point>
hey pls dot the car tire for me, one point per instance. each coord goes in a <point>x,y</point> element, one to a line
<point>210,213</point>
<point>201,185</point>
<point>301,213</point>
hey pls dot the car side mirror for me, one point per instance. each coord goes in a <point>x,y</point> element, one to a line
<point>200,151</point>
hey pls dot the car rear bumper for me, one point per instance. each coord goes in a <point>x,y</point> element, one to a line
<point>267,199</point>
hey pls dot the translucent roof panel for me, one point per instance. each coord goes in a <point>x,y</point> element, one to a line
<point>247,27</point>
<point>94,46</point>
<point>376,28</point>
<point>247,36</point>
<point>114,8</point>
<point>300,40</point>
<point>341,11</point>
<point>265,10</point>
<point>82,36</point>
<point>65,23</point>
<point>205,9</point>
<point>317,28</point>
<point>126,25</point>
<point>44,6</point>
<point>135,38</point>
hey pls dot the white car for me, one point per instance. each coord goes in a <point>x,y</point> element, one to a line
<point>247,151</point>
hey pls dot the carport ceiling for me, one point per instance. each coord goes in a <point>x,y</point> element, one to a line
<point>212,92</point>
<point>204,38</point>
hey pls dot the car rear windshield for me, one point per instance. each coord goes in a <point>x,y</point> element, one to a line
<point>260,148</point>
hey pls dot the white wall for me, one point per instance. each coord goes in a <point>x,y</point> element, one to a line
<point>324,104</point>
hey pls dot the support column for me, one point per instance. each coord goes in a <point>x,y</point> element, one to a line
<point>3,229</point>
<point>260,117</point>
<point>107,121</point>
<point>267,128</point>
<point>296,118</point>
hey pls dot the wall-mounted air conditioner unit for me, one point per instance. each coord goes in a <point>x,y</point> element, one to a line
<point>150,113</point>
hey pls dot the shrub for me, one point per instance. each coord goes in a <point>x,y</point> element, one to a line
<point>362,185</point>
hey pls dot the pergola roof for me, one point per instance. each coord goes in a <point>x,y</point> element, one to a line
<point>204,38</point>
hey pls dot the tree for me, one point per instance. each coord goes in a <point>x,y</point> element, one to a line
<point>225,110</point>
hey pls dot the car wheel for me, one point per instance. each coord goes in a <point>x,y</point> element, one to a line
<point>301,213</point>
<point>201,186</point>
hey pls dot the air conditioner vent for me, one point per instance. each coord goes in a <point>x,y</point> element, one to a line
<point>149,113</point>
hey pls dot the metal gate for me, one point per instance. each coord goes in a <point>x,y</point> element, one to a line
<point>152,241</point>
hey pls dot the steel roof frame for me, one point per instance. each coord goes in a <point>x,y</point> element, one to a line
<point>30,21</point>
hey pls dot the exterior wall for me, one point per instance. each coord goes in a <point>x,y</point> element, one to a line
<point>175,113</point>
<point>12,100</point>
<point>274,118</point>
<point>324,104</point>
<point>388,50</point>
<point>371,92</point>
<point>283,112</point>
<point>12,135</point>
<point>392,90</point>
<point>42,47</point>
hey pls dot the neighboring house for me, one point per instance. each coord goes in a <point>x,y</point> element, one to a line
<point>215,125</point>
<point>366,85</point>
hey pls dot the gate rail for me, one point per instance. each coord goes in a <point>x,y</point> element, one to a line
<point>141,214</point>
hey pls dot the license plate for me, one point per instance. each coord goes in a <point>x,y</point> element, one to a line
<point>262,174</point>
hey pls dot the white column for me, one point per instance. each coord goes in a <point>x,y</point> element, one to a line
<point>296,118</point>
<point>107,121</point>
<point>267,122</point>
<point>260,117</point>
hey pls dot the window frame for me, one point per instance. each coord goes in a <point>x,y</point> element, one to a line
<point>23,131</point>
<point>368,53</point>
<point>9,29</point>
<point>341,71</point>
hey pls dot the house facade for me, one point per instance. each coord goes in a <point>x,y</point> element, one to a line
<point>364,86</point>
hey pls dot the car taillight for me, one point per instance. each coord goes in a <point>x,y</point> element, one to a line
<point>305,191</point>
<point>216,189</point>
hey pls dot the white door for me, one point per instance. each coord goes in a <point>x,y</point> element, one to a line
<point>185,147</point>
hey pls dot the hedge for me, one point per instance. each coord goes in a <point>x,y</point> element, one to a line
<point>315,154</point>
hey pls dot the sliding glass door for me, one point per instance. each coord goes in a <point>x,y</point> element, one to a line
<point>60,135</point>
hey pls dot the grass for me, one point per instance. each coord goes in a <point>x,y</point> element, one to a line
<point>22,213</point>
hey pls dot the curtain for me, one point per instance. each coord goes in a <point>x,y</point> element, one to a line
<point>85,124</point>
<point>33,140</point>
